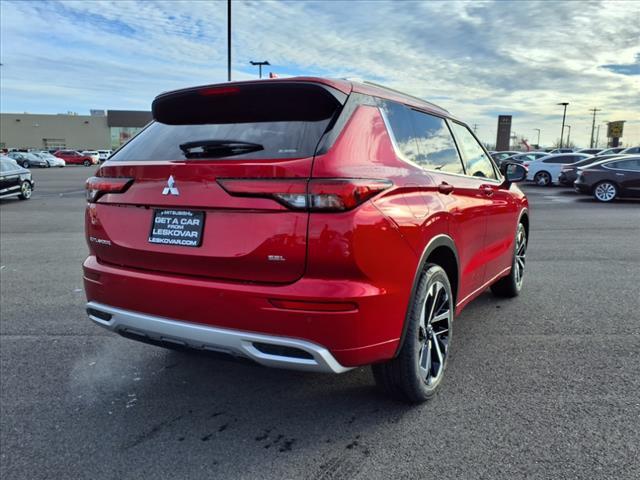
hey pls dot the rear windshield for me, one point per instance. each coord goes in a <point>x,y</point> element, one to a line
<point>253,121</point>
<point>279,140</point>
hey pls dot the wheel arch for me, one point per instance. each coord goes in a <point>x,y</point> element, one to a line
<point>524,219</point>
<point>442,251</point>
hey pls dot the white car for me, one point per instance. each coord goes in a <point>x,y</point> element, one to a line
<point>93,154</point>
<point>52,160</point>
<point>104,154</point>
<point>546,170</point>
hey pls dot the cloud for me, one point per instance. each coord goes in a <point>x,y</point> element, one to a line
<point>474,58</point>
<point>625,68</point>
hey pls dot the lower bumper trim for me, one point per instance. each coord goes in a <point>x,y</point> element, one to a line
<point>268,350</point>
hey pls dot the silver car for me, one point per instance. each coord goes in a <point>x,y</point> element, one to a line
<point>52,160</point>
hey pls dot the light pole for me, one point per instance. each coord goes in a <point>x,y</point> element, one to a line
<point>593,125</point>
<point>259,64</point>
<point>568,135</point>
<point>538,130</point>
<point>564,114</point>
<point>229,40</point>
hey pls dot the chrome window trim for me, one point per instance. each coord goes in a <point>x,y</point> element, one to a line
<point>403,158</point>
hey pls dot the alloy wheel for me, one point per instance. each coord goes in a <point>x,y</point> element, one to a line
<point>543,179</point>
<point>605,192</point>
<point>521,251</point>
<point>433,334</point>
<point>25,189</point>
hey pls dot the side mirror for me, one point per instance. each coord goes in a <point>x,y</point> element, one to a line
<point>513,172</point>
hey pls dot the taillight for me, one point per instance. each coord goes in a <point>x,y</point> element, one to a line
<point>318,195</point>
<point>98,186</point>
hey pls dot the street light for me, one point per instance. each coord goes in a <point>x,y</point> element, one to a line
<point>593,125</point>
<point>568,135</point>
<point>259,64</point>
<point>564,114</point>
<point>538,130</point>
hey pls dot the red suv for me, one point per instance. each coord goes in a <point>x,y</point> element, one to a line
<point>71,157</point>
<point>303,223</point>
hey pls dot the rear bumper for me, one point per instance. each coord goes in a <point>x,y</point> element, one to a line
<point>367,330</point>
<point>264,349</point>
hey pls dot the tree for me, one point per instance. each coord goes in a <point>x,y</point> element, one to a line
<point>565,144</point>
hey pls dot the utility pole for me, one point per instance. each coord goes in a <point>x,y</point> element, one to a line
<point>568,135</point>
<point>259,65</point>
<point>593,125</point>
<point>475,127</point>
<point>229,40</point>
<point>564,115</point>
<point>538,130</point>
<point>597,137</point>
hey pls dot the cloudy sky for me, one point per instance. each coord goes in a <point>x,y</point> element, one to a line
<point>477,59</point>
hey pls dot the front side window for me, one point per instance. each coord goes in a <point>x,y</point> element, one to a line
<point>436,148</point>
<point>476,161</point>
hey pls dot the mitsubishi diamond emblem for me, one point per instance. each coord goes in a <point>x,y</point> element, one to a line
<point>171,189</point>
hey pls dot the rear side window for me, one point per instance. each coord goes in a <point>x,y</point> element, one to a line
<point>476,161</point>
<point>401,126</point>
<point>436,149</point>
<point>257,121</point>
<point>633,164</point>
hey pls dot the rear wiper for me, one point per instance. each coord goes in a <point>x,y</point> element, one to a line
<point>218,148</point>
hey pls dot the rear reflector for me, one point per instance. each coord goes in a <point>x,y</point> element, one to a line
<point>98,186</point>
<point>317,195</point>
<point>314,306</point>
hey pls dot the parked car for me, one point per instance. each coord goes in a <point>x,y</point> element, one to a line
<point>103,155</point>
<point>560,150</point>
<point>610,179</point>
<point>526,157</point>
<point>590,151</point>
<point>262,224</point>
<point>545,171</point>
<point>569,173</point>
<point>14,179</point>
<point>631,150</point>
<point>499,156</point>
<point>28,160</point>
<point>75,158</point>
<point>610,151</point>
<point>51,160</point>
<point>93,154</point>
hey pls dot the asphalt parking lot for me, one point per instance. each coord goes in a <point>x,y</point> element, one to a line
<point>546,385</point>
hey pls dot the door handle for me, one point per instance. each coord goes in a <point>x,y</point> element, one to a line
<point>620,174</point>
<point>445,188</point>
<point>487,190</point>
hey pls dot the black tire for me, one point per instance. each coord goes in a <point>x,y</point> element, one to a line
<point>542,178</point>
<point>405,376</point>
<point>25,190</point>
<point>511,285</point>
<point>86,163</point>
<point>605,191</point>
<point>25,164</point>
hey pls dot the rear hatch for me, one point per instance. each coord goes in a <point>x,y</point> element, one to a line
<point>169,210</point>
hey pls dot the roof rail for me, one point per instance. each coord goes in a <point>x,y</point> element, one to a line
<point>404,94</point>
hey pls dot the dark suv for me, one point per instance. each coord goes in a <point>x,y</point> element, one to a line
<point>303,223</point>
